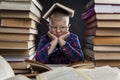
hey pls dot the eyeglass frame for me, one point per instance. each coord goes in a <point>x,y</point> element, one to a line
<point>60,28</point>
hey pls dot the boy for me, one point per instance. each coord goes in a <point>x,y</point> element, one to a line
<point>59,46</point>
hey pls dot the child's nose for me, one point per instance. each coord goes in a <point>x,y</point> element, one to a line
<point>58,30</point>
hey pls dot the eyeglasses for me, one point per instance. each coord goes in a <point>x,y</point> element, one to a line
<point>60,28</point>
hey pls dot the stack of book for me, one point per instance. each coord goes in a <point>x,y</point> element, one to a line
<point>18,27</point>
<point>102,33</point>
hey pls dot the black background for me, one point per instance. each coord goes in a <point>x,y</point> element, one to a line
<point>78,26</point>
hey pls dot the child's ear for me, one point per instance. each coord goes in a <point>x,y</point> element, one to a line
<point>48,25</point>
<point>69,25</point>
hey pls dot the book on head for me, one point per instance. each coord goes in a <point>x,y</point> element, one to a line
<point>58,5</point>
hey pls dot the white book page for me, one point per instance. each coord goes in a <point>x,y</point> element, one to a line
<point>18,77</point>
<point>5,69</point>
<point>61,73</point>
<point>101,73</point>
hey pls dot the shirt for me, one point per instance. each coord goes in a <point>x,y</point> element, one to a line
<point>69,53</point>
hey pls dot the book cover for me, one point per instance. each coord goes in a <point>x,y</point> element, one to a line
<point>19,14</point>
<point>36,2</point>
<point>103,48</point>
<point>103,40</point>
<point>111,32</point>
<point>20,6</point>
<point>17,52</point>
<point>103,16</point>
<point>92,3</point>
<point>106,48</point>
<point>17,37</point>
<point>107,2</point>
<point>113,63</point>
<point>16,45</point>
<point>104,24</point>
<point>21,65</point>
<point>107,55</point>
<point>101,10</point>
<point>11,30</point>
<point>18,23</point>
<point>58,5</point>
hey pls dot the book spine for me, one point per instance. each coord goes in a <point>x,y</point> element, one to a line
<point>88,14</point>
<point>92,25</point>
<point>90,32</point>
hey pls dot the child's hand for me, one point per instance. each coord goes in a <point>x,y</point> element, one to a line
<point>52,36</point>
<point>63,37</point>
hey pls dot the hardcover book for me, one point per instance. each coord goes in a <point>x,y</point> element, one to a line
<point>58,5</point>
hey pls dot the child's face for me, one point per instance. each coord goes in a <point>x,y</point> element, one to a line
<point>59,27</point>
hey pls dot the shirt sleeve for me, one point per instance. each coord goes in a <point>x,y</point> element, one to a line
<point>42,50</point>
<point>72,50</point>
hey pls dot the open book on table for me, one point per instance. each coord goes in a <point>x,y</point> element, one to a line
<point>7,73</point>
<point>18,77</point>
<point>5,69</point>
<point>68,73</point>
<point>40,67</point>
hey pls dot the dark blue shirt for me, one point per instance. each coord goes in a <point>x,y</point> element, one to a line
<point>69,53</point>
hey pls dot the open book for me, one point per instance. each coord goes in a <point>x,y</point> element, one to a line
<point>18,77</point>
<point>40,67</point>
<point>37,66</point>
<point>58,5</point>
<point>67,73</point>
<point>7,73</point>
<point>5,69</point>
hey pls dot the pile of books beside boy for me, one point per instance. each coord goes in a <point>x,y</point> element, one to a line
<point>18,27</point>
<point>102,33</point>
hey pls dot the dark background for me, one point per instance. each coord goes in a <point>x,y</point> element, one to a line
<point>77,24</point>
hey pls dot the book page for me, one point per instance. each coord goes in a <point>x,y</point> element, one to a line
<point>5,69</point>
<point>18,77</point>
<point>53,66</point>
<point>101,73</point>
<point>61,73</point>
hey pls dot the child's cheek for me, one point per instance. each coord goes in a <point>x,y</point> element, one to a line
<point>51,31</point>
<point>64,33</point>
<point>67,30</point>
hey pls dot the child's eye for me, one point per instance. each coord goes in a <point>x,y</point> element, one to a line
<point>62,27</point>
<point>54,28</point>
